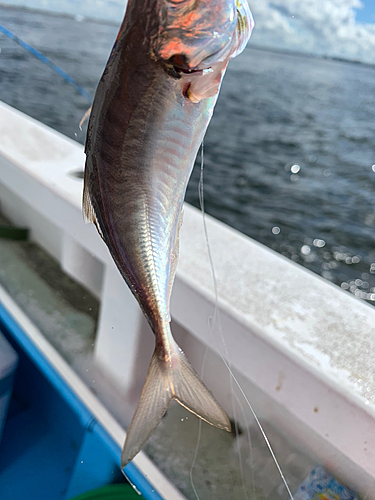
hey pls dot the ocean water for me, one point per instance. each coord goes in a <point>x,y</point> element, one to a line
<point>289,157</point>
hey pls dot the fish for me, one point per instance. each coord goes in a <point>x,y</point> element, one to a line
<point>151,110</point>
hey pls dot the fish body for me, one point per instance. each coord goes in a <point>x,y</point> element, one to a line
<point>151,110</point>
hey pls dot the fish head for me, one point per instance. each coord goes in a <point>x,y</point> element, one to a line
<point>196,39</point>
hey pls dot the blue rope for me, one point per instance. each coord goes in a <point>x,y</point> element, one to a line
<point>48,62</point>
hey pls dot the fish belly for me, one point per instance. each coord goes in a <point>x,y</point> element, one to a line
<point>141,163</point>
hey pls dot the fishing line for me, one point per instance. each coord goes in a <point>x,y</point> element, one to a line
<point>44,59</point>
<point>216,308</point>
<point>239,444</point>
<point>211,321</point>
<point>233,393</point>
<point>250,444</point>
<point>201,200</point>
<point>199,435</point>
<point>200,196</point>
<point>257,421</point>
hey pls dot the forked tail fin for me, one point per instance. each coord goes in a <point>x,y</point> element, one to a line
<point>175,379</point>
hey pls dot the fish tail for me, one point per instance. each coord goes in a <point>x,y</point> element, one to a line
<point>166,380</point>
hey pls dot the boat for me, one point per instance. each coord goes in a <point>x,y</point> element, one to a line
<point>299,347</point>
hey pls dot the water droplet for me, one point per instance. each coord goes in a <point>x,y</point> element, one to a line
<point>327,172</point>
<point>276,230</point>
<point>305,250</point>
<point>344,285</point>
<point>373,168</point>
<point>295,168</point>
<point>319,243</point>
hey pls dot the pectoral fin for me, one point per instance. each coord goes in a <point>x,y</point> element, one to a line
<point>207,84</point>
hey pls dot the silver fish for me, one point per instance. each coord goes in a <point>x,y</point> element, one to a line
<point>150,113</point>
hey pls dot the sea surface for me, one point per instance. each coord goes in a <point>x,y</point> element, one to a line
<point>289,158</point>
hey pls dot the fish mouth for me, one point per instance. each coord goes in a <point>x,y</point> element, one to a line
<point>178,66</point>
<point>181,65</point>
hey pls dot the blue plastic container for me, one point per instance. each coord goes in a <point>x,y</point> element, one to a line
<point>53,447</point>
<point>8,365</point>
